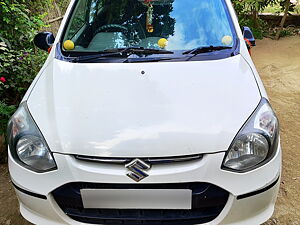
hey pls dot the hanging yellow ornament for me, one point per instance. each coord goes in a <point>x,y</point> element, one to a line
<point>150,28</point>
<point>162,42</point>
<point>69,45</point>
<point>149,19</point>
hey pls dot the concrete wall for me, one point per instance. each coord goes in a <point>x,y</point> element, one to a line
<point>274,20</point>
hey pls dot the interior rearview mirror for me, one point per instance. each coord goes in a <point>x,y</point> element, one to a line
<point>44,40</point>
<point>249,35</point>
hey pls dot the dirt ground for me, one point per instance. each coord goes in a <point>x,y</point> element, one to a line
<point>279,65</point>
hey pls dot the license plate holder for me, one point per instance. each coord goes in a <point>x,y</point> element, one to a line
<point>137,198</point>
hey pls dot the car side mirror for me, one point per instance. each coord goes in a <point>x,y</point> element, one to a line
<point>249,35</point>
<point>44,40</point>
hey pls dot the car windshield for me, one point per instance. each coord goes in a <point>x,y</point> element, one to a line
<point>173,25</point>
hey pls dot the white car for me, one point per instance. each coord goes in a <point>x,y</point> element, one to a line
<point>146,112</point>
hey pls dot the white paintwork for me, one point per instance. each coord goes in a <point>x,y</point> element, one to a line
<point>174,109</point>
<point>250,211</point>
<point>113,110</point>
<point>206,170</point>
<point>253,210</point>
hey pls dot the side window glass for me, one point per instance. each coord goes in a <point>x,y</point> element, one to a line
<point>79,20</point>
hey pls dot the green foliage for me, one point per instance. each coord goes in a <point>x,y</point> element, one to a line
<point>244,7</point>
<point>279,7</point>
<point>18,25</point>
<point>285,33</point>
<point>63,4</point>
<point>258,31</point>
<point>247,11</point>
<point>5,112</point>
<point>292,7</point>
<point>18,67</point>
<point>19,60</point>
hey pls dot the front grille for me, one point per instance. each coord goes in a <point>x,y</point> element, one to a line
<point>152,160</point>
<point>207,203</point>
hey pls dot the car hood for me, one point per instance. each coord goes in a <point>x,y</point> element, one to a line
<point>143,109</point>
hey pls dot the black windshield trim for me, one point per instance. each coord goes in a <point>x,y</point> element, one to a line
<point>204,49</point>
<point>120,52</point>
<point>209,56</point>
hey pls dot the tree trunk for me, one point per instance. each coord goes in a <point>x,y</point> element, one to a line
<point>255,18</point>
<point>286,11</point>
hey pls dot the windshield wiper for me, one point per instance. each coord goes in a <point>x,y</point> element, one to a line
<point>205,49</point>
<point>138,50</point>
<point>147,59</point>
<point>121,52</point>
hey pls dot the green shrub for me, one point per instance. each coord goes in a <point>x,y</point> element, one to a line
<point>247,12</point>
<point>5,113</point>
<point>18,68</point>
<point>258,31</point>
<point>18,24</point>
<point>19,60</point>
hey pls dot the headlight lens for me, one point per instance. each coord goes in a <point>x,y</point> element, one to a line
<point>256,142</point>
<point>248,150</point>
<point>27,144</point>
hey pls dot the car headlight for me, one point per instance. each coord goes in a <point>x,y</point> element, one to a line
<point>27,144</point>
<point>256,142</point>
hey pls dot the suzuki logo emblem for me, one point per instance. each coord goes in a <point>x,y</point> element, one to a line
<point>137,170</point>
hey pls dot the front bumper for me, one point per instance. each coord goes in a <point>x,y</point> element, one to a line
<point>251,200</point>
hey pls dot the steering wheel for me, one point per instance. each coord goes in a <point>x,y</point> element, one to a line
<point>111,26</point>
